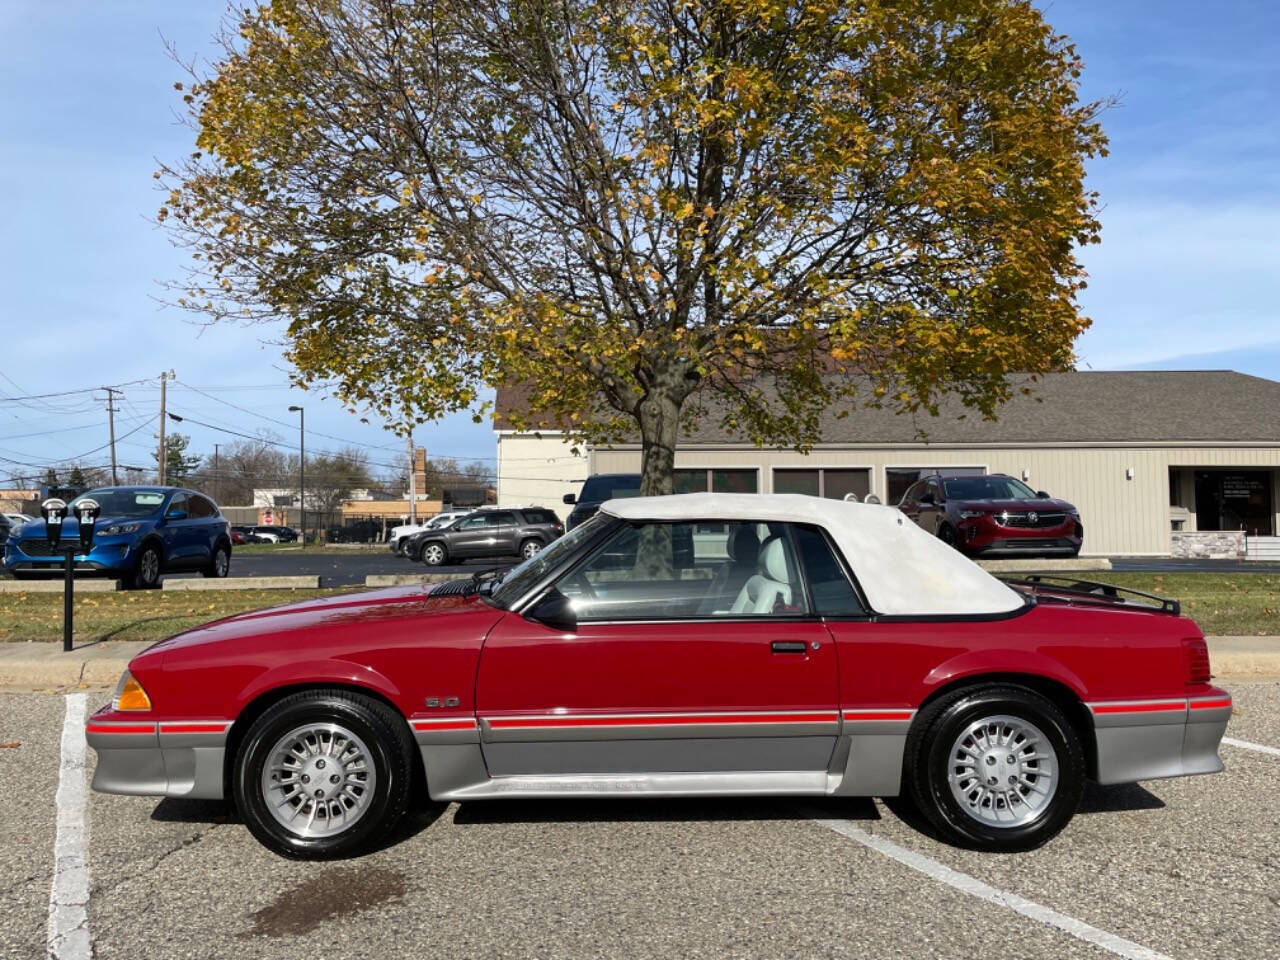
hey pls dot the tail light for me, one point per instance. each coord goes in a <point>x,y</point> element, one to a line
<point>1197,660</point>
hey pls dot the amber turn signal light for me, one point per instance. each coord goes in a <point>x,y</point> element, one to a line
<point>131,696</point>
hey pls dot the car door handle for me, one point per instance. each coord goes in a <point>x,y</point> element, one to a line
<point>788,646</point>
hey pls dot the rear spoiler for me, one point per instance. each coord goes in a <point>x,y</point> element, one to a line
<point>1107,593</point>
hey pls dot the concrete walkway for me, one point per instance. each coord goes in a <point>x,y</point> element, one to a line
<point>26,666</point>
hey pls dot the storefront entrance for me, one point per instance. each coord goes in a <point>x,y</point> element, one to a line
<point>1234,500</point>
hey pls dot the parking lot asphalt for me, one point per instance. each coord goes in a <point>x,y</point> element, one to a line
<point>1181,868</point>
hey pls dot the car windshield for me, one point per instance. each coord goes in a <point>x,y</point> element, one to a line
<point>987,488</point>
<point>520,578</point>
<point>122,503</point>
<point>600,489</point>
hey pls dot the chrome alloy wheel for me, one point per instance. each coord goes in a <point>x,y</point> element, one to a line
<point>1003,771</point>
<point>432,554</point>
<point>221,562</point>
<point>149,566</point>
<point>531,549</point>
<point>318,780</point>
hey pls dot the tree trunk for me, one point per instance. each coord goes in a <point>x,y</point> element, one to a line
<point>659,417</point>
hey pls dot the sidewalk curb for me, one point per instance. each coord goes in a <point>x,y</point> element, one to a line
<point>1046,565</point>
<point>410,579</point>
<point>244,583</point>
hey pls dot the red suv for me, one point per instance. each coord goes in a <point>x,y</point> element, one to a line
<point>994,514</point>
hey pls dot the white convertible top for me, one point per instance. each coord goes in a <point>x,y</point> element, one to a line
<point>902,569</point>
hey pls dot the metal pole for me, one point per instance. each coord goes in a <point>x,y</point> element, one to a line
<point>215,470</point>
<point>164,454</point>
<point>302,471</point>
<point>68,592</point>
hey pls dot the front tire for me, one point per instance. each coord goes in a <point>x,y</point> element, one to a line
<point>432,554</point>
<point>996,768</point>
<point>324,773</point>
<point>146,572</point>
<point>947,534</point>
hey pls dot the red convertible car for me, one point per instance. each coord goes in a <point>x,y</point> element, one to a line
<point>704,644</point>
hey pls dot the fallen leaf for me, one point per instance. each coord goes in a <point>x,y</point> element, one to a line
<point>11,745</point>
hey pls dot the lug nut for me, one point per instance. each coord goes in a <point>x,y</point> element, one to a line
<point>1013,780</point>
<point>335,778</point>
<point>319,794</point>
<point>990,761</point>
<point>992,780</point>
<point>1012,759</point>
<point>319,764</point>
<point>306,778</point>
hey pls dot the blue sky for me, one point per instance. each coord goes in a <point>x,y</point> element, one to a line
<point>1186,275</point>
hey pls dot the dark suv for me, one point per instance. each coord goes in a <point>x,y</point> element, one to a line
<point>596,490</point>
<point>994,514</point>
<point>487,533</point>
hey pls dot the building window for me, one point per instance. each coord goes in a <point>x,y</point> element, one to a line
<point>898,479</point>
<point>705,480</point>
<point>830,482</point>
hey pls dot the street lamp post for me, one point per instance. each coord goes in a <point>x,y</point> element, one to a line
<point>302,469</point>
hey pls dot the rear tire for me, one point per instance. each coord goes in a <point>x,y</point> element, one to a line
<point>220,565</point>
<point>362,792</point>
<point>996,768</point>
<point>530,548</point>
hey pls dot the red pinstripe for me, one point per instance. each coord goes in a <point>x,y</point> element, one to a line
<point>1155,706</point>
<point>510,723</point>
<point>120,728</point>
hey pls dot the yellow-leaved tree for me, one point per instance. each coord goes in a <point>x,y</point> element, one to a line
<point>643,208</point>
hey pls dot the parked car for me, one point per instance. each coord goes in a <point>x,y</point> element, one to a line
<point>141,533</point>
<point>242,534</point>
<point>399,536</point>
<point>858,656</point>
<point>273,533</point>
<point>487,533</point>
<point>354,531</point>
<point>993,514</point>
<point>596,490</point>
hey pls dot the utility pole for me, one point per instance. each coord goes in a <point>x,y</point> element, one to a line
<point>111,425</point>
<point>164,453</point>
<point>302,469</point>
<point>413,482</point>
<point>216,485</point>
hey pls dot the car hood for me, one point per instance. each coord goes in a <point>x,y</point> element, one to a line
<point>1014,506</point>
<point>301,622</point>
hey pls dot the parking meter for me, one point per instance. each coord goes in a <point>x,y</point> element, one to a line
<point>86,512</point>
<point>53,510</point>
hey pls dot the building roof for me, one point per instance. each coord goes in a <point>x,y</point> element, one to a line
<point>902,570</point>
<point>1129,406</point>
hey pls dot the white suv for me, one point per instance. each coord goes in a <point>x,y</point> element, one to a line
<point>399,535</point>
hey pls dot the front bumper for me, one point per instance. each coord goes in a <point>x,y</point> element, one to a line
<point>107,559</point>
<point>167,758</point>
<point>985,536</point>
<point>1151,739</point>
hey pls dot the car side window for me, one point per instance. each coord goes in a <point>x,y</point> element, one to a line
<point>474,523</point>
<point>829,588</point>
<point>201,507</point>
<point>177,505</point>
<point>666,571</point>
<point>502,519</point>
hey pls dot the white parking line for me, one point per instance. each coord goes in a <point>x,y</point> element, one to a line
<point>69,897</point>
<point>976,888</point>
<point>1246,745</point>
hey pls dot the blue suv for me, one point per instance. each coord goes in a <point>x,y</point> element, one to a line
<point>141,533</point>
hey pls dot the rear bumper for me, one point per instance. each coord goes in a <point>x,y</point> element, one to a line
<point>1151,739</point>
<point>171,758</point>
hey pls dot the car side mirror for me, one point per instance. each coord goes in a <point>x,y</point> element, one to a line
<point>176,515</point>
<point>554,610</point>
<point>1042,495</point>
<point>570,498</point>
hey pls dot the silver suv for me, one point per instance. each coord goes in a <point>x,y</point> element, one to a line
<point>487,533</point>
